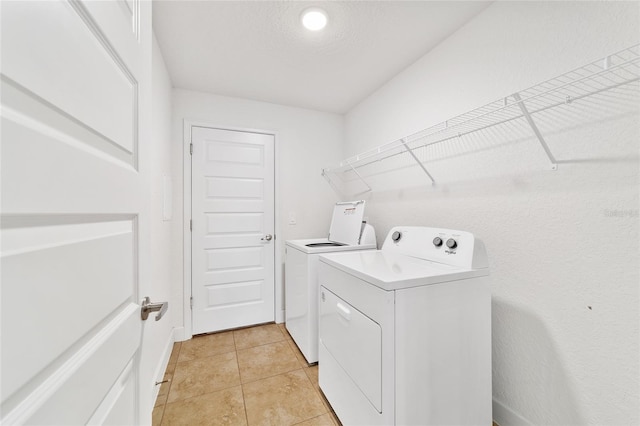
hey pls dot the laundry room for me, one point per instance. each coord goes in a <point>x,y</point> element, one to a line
<point>204,203</point>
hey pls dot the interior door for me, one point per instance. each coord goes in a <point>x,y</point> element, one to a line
<point>74,81</point>
<point>233,226</point>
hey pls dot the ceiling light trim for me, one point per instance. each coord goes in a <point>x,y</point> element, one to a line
<point>314,19</point>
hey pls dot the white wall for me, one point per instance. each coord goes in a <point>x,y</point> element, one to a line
<point>563,245</point>
<point>305,141</point>
<point>158,337</point>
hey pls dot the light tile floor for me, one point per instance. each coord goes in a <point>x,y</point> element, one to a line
<point>251,376</point>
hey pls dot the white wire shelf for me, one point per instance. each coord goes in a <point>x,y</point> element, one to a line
<point>604,83</point>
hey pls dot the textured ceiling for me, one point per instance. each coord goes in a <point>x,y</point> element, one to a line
<point>259,50</point>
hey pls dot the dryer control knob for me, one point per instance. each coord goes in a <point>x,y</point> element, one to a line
<point>396,236</point>
<point>437,241</point>
<point>451,243</point>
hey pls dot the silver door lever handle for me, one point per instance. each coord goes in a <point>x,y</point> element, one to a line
<point>267,237</point>
<point>148,307</point>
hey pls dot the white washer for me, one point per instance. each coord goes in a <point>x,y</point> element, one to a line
<point>347,233</point>
<point>405,331</point>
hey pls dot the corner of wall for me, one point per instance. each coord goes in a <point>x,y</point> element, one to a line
<point>504,416</point>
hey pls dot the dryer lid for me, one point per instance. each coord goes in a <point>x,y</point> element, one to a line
<point>346,222</point>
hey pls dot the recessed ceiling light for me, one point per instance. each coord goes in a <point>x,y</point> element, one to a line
<point>314,19</point>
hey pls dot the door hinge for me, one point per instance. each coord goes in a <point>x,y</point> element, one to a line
<point>190,224</point>
<point>191,302</point>
<point>191,148</point>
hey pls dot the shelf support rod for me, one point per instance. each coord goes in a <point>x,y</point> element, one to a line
<point>534,127</point>
<point>362,179</point>
<point>331,184</point>
<point>325,174</point>
<point>410,151</point>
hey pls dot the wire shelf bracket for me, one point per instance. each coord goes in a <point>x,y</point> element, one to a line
<point>536,131</point>
<point>326,172</point>
<point>424,169</point>
<point>369,189</point>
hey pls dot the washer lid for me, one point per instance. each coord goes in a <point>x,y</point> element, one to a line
<point>346,222</point>
<point>323,245</point>
<point>392,271</point>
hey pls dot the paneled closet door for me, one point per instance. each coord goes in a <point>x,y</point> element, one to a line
<point>233,263</point>
<point>75,78</point>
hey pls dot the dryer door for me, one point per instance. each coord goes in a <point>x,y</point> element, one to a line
<point>355,342</point>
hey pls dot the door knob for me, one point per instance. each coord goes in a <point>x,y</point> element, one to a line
<point>148,307</point>
<point>267,237</point>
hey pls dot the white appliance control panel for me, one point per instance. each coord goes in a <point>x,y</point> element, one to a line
<point>456,248</point>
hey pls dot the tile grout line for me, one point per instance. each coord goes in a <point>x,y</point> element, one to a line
<point>302,360</point>
<point>325,401</point>
<point>262,344</point>
<point>164,406</point>
<point>284,338</point>
<point>212,391</point>
<point>317,395</point>
<point>300,367</point>
<point>166,401</point>
<point>274,375</point>
<point>306,366</point>
<point>205,357</point>
<point>244,400</point>
<point>320,415</point>
<point>206,393</point>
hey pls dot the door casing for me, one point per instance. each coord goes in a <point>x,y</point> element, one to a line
<point>187,331</point>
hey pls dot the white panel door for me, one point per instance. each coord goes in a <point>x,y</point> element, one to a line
<point>74,84</point>
<point>233,222</point>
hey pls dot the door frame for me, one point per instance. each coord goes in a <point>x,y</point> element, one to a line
<point>278,307</point>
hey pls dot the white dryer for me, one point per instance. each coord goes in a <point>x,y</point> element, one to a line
<point>347,232</point>
<point>405,331</point>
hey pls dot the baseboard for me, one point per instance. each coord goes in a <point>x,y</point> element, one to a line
<point>162,366</point>
<point>504,416</point>
<point>178,334</point>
